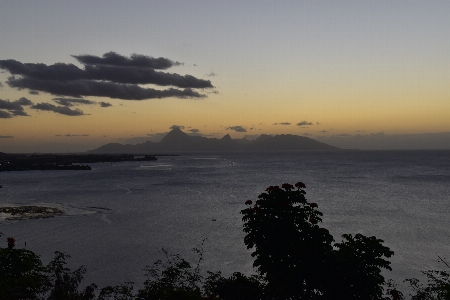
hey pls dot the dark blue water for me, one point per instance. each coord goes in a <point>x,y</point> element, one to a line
<point>121,215</point>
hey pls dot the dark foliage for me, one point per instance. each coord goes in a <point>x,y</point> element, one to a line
<point>296,256</point>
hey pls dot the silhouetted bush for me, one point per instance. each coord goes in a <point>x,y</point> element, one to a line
<point>296,256</point>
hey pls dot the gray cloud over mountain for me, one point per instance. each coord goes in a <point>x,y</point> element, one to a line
<point>304,123</point>
<point>236,128</point>
<point>112,75</point>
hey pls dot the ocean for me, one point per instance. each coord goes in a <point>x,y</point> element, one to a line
<point>120,215</point>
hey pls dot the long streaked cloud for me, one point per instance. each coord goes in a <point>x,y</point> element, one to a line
<point>80,88</point>
<point>79,101</point>
<point>282,123</point>
<point>72,101</point>
<point>113,76</point>
<point>236,128</point>
<point>63,110</point>
<point>72,135</point>
<point>118,74</point>
<point>6,136</point>
<point>135,60</point>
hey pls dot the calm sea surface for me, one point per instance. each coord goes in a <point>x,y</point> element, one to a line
<point>120,215</point>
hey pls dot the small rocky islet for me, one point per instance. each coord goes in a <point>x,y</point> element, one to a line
<point>28,212</point>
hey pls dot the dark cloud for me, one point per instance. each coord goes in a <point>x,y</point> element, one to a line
<point>212,74</point>
<point>99,89</point>
<point>304,123</point>
<point>176,127</point>
<point>112,75</point>
<point>317,123</point>
<point>6,136</point>
<point>194,130</point>
<point>6,104</point>
<point>105,104</point>
<point>72,101</point>
<point>136,75</point>
<point>118,74</point>
<point>33,92</point>
<point>24,101</point>
<point>135,60</point>
<point>15,108</point>
<point>282,123</point>
<point>237,128</point>
<point>1,84</point>
<point>64,110</point>
<point>19,113</point>
<point>323,131</point>
<point>5,115</point>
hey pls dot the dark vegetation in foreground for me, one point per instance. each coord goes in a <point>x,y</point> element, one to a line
<point>295,258</point>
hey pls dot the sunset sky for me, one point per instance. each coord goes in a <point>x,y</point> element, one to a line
<point>355,74</point>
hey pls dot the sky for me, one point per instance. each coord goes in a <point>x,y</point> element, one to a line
<point>75,75</point>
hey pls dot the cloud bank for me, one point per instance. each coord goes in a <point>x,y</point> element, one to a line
<point>113,76</point>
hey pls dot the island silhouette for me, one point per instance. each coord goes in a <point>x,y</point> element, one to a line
<point>179,141</point>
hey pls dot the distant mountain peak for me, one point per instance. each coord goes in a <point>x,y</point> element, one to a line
<point>175,135</point>
<point>226,137</point>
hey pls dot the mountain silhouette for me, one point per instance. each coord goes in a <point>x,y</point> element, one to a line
<point>179,141</point>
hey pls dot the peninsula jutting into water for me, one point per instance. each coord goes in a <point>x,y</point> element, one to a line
<point>24,162</point>
<point>178,141</point>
